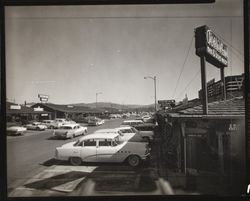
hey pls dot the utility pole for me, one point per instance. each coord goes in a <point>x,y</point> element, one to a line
<point>153,78</point>
<point>96,95</point>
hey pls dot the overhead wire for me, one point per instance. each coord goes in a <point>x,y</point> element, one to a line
<point>185,60</point>
<point>230,45</point>
<point>234,51</point>
<point>197,73</point>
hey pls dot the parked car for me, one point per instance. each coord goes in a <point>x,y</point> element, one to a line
<point>70,131</point>
<point>50,124</point>
<point>146,117</point>
<point>86,119</point>
<point>147,135</point>
<point>150,120</point>
<point>132,122</point>
<point>35,126</point>
<point>95,121</point>
<point>146,127</point>
<point>63,121</point>
<point>123,135</point>
<point>113,116</point>
<point>16,130</point>
<point>99,148</point>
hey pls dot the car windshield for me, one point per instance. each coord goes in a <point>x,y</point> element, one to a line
<point>116,141</point>
<point>120,133</point>
<point>125,123</point>
<point>134,129</point>
<point>126,130</point>
<point>78,143</point>
<point>66,127</point>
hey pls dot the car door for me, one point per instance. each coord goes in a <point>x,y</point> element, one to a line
<point>77,130</point>
<point>88,151</point>
<point>106,152</point>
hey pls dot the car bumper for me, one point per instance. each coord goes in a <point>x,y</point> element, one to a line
<point>61,136</point>
<point>146,157</point>
<point>14,133</point>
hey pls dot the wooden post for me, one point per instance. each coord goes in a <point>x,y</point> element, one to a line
<point>184,145</point>
<point>220,151</point>
<point>223,87</point>
<point>204,85</point>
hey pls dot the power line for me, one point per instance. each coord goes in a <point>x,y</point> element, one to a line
<point>190,45</point>
<point>238,57</point>
<point>230,45</point>
<point>197,73</point>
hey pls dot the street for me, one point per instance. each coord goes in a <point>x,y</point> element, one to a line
<point>31,161</point>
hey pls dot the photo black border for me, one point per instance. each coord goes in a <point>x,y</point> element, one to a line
<point>3,154</point>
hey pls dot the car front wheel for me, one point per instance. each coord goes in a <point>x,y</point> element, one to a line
<point>75,161</point>
<point>134,160</point>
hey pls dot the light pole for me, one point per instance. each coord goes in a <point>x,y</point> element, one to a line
<point>96,95</point>
<point>153,78</point>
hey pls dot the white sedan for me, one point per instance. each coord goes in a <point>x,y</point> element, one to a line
<point>95,122</point>
<point>147,135</point>
<point>16,130</point>
<point>50,124</point>
<point>36,126</point>
<point>70,131</point>
<point>125,134</point>
<point>99,148</point>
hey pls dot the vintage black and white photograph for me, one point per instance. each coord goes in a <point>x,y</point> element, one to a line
<point>117,100</point>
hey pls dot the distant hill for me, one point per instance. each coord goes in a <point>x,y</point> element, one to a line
<point>108,106</point>
<point>113,105</point>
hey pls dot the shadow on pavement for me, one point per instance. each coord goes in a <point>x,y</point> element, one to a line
<point>53,161</point>
<point>55,138</point>
<point>56,180</point>
<point>105,166</point>
<point>112,178</point>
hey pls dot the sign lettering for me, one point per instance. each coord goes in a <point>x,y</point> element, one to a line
<point>209,45</point>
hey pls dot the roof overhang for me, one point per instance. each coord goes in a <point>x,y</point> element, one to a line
<point>199,116</point>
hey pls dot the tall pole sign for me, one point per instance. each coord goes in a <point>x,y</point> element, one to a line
<point>211,49</point>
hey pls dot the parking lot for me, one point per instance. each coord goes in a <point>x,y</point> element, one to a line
<point>33,170</point>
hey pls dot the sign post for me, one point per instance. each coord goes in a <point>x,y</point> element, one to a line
<point>204,85</point>
<point>210,48</point>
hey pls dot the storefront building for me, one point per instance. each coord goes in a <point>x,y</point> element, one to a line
<point>23,114</point>
<point>210,148</point>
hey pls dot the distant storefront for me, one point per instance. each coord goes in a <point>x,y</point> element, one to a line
<point>69,111</point>
<point>22,114</point>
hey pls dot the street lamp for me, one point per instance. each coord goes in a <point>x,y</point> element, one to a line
<point>153,78</point>
<point>96,95</point>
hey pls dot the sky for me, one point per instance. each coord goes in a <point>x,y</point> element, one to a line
<point>70,53</point>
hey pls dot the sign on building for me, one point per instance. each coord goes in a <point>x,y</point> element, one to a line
<point>209,45</point>
<point>15,107</point>
<point>43,98</point>
<point>166,103</point>
<point>38,109</point>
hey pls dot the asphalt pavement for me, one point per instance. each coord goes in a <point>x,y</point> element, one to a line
<point>28,155</point>
<point>33,171</point>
